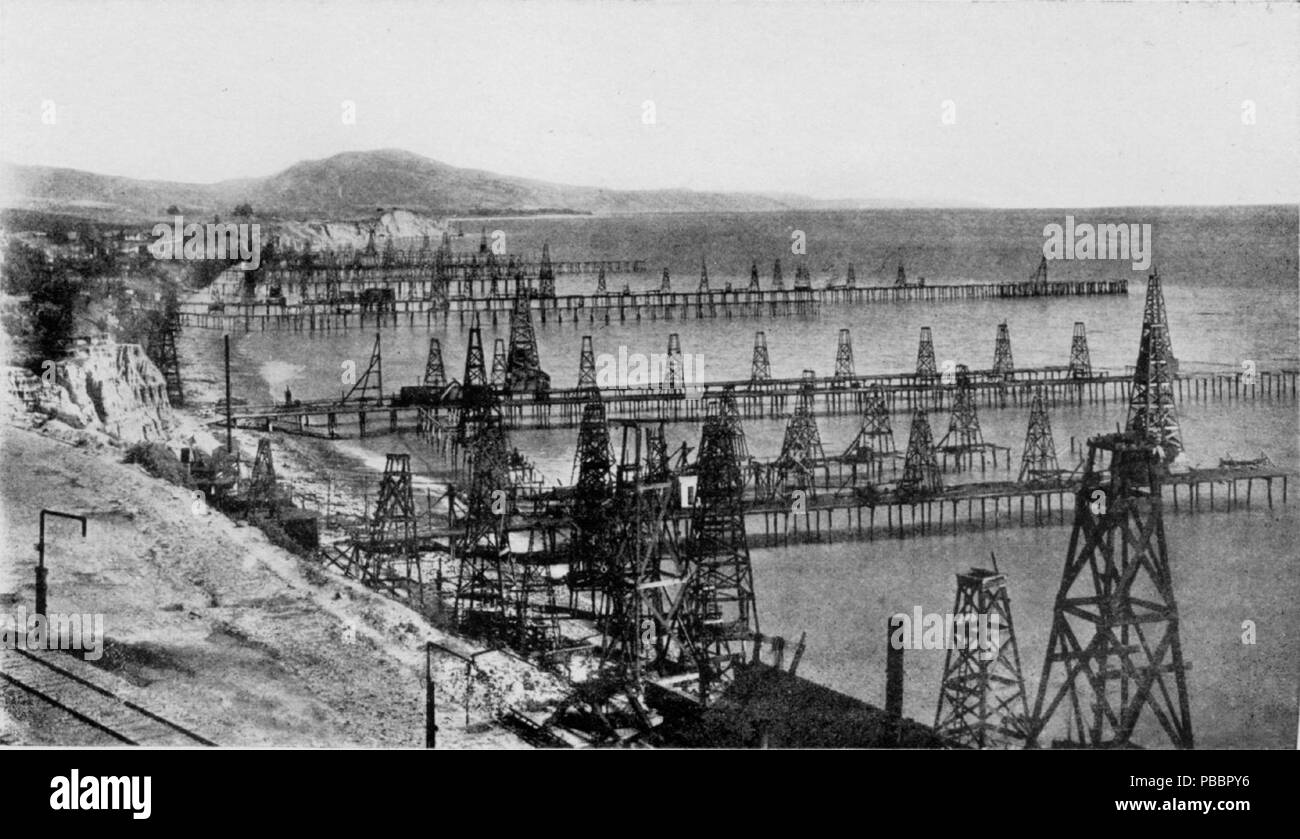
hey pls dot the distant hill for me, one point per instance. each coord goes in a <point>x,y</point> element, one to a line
<point>359,183</point>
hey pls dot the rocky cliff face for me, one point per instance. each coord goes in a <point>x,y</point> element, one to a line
<point>111,388</point>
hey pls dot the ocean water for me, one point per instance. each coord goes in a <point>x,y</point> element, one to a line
<point>1230,283</point>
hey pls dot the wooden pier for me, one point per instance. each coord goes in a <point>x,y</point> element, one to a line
<point>418,305</point>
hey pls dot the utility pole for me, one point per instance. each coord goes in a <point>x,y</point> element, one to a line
<point>229,447</point>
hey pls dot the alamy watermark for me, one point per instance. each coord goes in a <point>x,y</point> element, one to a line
<point>947,631</point>
<point>211,240</point>
<point>649,370</point>
<point>1099,241</point>
<point>55,631</point>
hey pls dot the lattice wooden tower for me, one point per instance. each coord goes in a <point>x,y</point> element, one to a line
<point>160,347</point>
<point>587,364</point>
<point>665,283</point>
<point>852,280</point>
<point>592,505</point>
<point>498,378</point>
<point>392,537</point>
<point>1115,651</point>
<point>844,357</point>
<point>753,277</point>
<point>1151,410</point>
<point>875,438</point>
<point>1039,461</point>
<point>262,495</point>
<point>723,612</point>
<point>435,375</point>
<point>982,703</point>
<point>546,274</point>
<point>760,369</point>
<point>964,439</point>
<point>674,376</point>
<point>704,276</point>
<point>482,603</point>
<point>524,372</point>
<point>901,279</point>
<point>778,283</point>
<point>1080,358</point>
<point>600,281</point>
<point>1003,365</point>
<point>925,363</point>
<point>920,468</point>
<point>801,448</point>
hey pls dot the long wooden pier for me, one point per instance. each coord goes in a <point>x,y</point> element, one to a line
<point>429,309</point>
<point>562,408</point>
<point>977,507</point>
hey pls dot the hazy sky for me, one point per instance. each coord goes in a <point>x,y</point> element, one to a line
<point>1051,105</point>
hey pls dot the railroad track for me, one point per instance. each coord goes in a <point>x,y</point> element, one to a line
<point>56,684</point>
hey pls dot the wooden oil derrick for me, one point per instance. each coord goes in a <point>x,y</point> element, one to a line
<point>1153,312</point>
<point>1039,464</point>
<point>333,275</point>
<point>387,553</point>
<point>1151,411</point>
<point>722,611</point>
<point>160,347</point>
<point>370,384</point>
<point>704,276</point>
<point>434,374</point>
<point>844,357</point>
<point>479,403</point>
<point>1039,276</point>
<point>982,703</point>
<point>261,496</point>
<point>545,276</point>
<point>389,259</point>
<point>920,468</point>
<point>875,438</point>
<point>587,365</point>
<point>760,369</point>
<point>482,606</point>
<point>802,278</point>
<point>592,504</point>
<point>1080,359</point>
<point>600,281</point>
<point>925,364</point>
<point>674,375</point>
<point>494,274</point>
<point>901,279</point>
<point>965,439</point>
<point>370,248</point>
<point>498,378</point>
<point>483,248</point>
<point>851,281</point>
<point>524,372</point>
<point>1003,365</point>
<point>778,284</point>
<point>645,634</point>
<point>666,283</point>
<point>657,466</point>
<point>753,276</point>
<point>1114,651</point>
<point>801,448</point>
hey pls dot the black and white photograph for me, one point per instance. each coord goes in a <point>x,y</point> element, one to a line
<point>584,374</point>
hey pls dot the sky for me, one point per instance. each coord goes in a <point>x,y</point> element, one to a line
<point>1003,104</point>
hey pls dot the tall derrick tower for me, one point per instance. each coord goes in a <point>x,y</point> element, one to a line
<point>760,368</point>
<point>1151,410</point>
<point>925,363</point>
<point>1080,359</point>
<point>723,612</point>
<point>920,469</point>
<point>844,357</point>
<point>1115,649</point>
<point>1003,365</point>
<point>982,702</point>
<point>434,374</point>
<point>1039,461</point>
